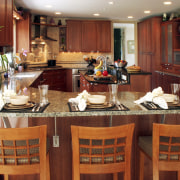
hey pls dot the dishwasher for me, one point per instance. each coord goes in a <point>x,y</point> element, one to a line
<point>76,79</point>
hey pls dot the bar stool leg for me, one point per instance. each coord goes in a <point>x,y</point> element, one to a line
<point>141,168</point>
<point>115,176</point>
<point>178,175</point>
<point>6,177</point>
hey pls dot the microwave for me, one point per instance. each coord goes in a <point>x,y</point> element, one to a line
<point>177,57</point>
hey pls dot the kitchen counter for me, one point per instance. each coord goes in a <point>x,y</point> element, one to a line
<point>59,107</point>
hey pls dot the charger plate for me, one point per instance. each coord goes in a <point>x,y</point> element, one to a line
<point>100,106</point>
<point>10,106</point>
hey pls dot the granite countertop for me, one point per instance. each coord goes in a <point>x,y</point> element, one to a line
<point>58,102</point>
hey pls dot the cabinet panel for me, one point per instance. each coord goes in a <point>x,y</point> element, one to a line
<point>23,33</point>
<point>74,36</point>
<point>6,20</point>
<point>104,36</point>
<point>89,36</point>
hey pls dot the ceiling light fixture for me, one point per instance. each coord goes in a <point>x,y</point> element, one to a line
<point>130,17</point>
<point>147,11</point>
<point>167,2</point>
<point>57,12</point>
<point>111,2</point>
<point>48,6</point>
<point>96,14</point>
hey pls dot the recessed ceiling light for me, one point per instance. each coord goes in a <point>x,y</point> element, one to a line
<point>57,12</point>
<point>96,14</point>
<point>111,2</point>
<point>167,2</point>
<point>48,6</point>
<point>130,17</point>
<point>147,12</point>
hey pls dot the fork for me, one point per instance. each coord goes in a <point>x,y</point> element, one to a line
<point>120,105</point>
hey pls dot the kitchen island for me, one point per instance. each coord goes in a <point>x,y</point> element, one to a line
<point>57,115</point>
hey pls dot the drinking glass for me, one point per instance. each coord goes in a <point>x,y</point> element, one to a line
<point>43,90</point>
<point>113,90</point>
<point>175,90</point>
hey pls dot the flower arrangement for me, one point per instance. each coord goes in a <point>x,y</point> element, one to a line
<point>23,56</point>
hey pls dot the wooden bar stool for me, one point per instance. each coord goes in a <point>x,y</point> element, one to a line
<point>163,149</point>
<point>102,150</point>
<point>23,151</point>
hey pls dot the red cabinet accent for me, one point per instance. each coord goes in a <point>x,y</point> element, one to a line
<point>6,20</point>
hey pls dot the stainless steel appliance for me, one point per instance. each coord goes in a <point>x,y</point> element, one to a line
<point>76,79</point>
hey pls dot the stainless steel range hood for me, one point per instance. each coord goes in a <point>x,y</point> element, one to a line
<point>41,30</point>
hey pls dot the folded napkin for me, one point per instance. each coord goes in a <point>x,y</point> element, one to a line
<point>81,100</point>
<point>155,96</point>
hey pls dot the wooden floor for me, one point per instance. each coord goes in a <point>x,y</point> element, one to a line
<point>61,158</point>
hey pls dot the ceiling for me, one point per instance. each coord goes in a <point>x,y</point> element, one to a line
<point>119,10</point>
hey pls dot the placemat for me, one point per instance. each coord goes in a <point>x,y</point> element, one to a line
<point>27,110</point>
<point>113,108</point>
<point>156,107</point>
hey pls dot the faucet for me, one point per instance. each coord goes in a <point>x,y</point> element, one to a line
<point>103,58</point>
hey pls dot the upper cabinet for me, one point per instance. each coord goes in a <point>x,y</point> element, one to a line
<point>23,33</point>
<point>6,21</point>
<point>88,36</point>
<point>74,38</point>
<point>170,46</point>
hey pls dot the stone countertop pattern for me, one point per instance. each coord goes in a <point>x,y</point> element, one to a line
<point>58,103</point>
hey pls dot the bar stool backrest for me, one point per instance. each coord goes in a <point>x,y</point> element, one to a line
<point>23,151</point>
<point>166,148</point>
<point>101,150</point>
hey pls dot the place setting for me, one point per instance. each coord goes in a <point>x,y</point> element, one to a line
<point>158,100</point>
<point>87,102</point>
<point>22,103</point>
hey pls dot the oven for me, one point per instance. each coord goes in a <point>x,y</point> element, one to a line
<point>76,79</point>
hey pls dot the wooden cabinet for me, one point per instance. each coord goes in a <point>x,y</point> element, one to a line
<point>89,35</point>
<point>165,80</point>
<point>23,33</point>
<point>104,36</point>
<point>170,46</point>
<point>59,80</point>
<point>149,45</point>
<point>6,20</point>
<point>74,35</point>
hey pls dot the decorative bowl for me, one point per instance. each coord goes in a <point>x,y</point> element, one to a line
<point>121,64</point>
<point>19,100</point>
<point>97,99</point>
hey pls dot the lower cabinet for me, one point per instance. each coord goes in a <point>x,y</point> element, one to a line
<point>59,80</point>
<point>139,83</point>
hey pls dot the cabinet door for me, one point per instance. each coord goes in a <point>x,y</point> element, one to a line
<point>6,20</point>
<point>104,36</point>
<point>74,36</point>
<point>89,36</point>
<point>23,33</point>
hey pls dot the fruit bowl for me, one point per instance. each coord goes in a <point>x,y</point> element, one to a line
<point>121,63</point>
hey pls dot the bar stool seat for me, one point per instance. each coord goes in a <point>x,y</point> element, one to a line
<point>102,150</point>
<point>163,148</point>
